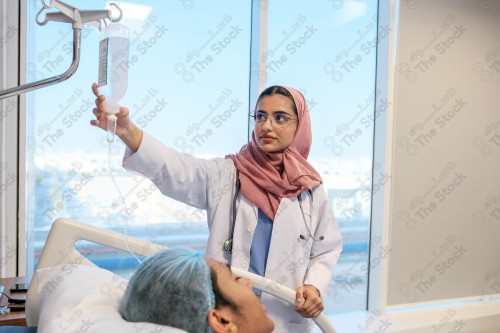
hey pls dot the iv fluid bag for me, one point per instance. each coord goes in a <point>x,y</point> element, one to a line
<point>113,64</point>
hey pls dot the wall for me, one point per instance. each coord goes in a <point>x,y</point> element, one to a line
<point>445,204</point>
<point>439,147</point>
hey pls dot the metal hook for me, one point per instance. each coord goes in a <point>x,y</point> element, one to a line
<point>119,10</point>
<point>77,17</point>
<point>67,14</point>
<point>47,6</point>
<point>37,18</point>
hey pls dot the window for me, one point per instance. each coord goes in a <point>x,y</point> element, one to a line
<point>177,91</point>
<point>190,85</point>
<point>327,51</point>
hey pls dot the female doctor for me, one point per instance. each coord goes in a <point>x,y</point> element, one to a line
<point>267,209</point>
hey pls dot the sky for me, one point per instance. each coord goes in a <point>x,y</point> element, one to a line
<point>188,82</point>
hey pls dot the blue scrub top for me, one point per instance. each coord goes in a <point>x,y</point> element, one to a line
<point>260,246</point>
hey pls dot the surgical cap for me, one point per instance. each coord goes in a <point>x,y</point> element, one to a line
<point>171,287</point>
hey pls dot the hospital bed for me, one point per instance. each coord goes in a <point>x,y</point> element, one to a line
<point>87,296</point>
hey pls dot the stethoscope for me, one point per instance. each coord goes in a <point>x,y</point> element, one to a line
<point>309,234</point>
<point>228,244</point>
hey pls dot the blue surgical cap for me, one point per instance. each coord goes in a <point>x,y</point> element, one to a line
<point>171,287</point>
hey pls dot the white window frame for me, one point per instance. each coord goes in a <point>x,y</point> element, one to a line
<point>9,132</point>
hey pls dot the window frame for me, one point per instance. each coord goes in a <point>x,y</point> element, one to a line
<point>259,23</point>
<point>385,77</point>
<point>10,130</point>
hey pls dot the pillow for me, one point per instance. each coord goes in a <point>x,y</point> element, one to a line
<point>77,298</point>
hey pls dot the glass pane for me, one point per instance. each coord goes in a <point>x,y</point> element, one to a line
<point>188,71</point>
<point>187,86</point>
<point>327,51</point>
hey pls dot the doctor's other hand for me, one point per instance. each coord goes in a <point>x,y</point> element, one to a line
<point>308,301</point>
<point>126,130</point>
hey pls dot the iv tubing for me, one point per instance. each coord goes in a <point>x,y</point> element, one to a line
<point>110,172</point>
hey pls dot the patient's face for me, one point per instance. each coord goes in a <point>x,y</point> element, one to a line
<point>250,315</point>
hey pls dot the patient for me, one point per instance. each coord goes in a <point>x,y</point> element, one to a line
<point>179,288</point>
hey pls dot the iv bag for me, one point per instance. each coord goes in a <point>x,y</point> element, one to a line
<point>113,64</point>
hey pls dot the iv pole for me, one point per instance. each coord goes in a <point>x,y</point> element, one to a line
<point>78,18</point>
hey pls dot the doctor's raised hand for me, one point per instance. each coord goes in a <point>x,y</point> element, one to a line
<point>267,208</point>
<point>126,130</point>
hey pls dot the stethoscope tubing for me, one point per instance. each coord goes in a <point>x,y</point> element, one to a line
<point>228,244</point>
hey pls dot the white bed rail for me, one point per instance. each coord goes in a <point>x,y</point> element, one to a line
<point>60,249</point>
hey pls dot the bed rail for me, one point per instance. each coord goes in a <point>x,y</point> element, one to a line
<point>60,249</point>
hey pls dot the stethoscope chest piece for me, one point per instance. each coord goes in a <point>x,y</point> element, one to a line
<point>228,246</point>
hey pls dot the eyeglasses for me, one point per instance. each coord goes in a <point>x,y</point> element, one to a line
<point>278,120</point>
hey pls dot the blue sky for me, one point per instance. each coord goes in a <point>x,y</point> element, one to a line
<point>180,71</point>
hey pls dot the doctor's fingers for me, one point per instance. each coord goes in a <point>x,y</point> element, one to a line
<point>100,119</point>
<point>310,302</point>
<point>100,103</point>
<point>123,117</point>
<point>312,313</point>
<point>312,307</point>
<point>306,292</point>
<point>100,100</point>
<point>95,89</point>
<point>98,113</point>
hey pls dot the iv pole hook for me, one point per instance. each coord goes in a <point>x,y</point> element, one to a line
<point>78,18</point>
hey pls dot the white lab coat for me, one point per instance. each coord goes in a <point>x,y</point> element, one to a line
<point>210,184</point>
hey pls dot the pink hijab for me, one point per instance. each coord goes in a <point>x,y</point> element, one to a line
<point>258,171</point>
